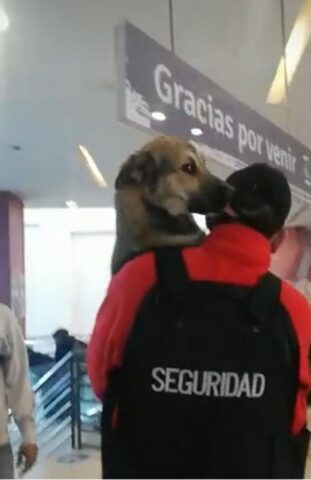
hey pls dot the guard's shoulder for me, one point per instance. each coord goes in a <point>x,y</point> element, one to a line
<point>140,269</point>
<point>293,299</point>
<point>298,310</point>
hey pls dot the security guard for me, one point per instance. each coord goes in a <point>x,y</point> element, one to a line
<point>201,355</point>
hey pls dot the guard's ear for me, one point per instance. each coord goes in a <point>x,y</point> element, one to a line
<point>140,169</point>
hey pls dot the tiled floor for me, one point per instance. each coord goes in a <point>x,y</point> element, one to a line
<point>87,468</point>
<point>90,467</point>
<point>53,468</point>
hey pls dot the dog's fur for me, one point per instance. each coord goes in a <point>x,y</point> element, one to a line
<point>156,189</point>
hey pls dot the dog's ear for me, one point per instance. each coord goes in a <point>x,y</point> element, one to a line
<point>141,168</point>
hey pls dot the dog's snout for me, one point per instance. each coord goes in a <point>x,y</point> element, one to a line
<point>213,197</point>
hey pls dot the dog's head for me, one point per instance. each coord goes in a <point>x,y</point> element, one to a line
<point>171,174</point>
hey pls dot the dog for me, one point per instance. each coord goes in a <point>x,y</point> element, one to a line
<point>156,190</point>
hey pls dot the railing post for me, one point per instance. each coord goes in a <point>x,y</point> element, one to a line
<point>78,405</point>
<point>75,377</point>
<point>72,398</point>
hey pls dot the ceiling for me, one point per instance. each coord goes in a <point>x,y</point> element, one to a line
<point>58,84</point>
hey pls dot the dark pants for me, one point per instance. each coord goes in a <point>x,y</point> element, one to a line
<point>6,462</point>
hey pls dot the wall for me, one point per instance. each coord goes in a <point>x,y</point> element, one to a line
<point>287,259</point>
<point>292,261</point>
<point>67,255</point>
<point>12,254</point>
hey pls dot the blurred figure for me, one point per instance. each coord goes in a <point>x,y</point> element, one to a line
<point>37,358</point>
<point>66,343</point>
<point>39,363</point>
<point>16,395</point>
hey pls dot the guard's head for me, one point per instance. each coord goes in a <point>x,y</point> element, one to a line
<point>261,199</point>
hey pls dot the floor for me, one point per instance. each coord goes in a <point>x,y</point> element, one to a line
<point>68,466</point>
<point>87,465</point>
<point>85,468</point>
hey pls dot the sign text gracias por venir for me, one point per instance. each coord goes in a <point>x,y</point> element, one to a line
<point>151,78</point>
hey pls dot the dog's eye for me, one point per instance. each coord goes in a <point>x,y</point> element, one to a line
<point>189,168</point>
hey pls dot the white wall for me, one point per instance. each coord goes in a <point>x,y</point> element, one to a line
<point>67,262</point>
<point>91,255</point>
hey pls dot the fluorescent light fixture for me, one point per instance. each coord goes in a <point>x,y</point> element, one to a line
<point>71,204</point>
<point>158,116</point>
<point>295,47</point>
<point>196,132</point>
<point>4,21</point>
<point>92,167</point>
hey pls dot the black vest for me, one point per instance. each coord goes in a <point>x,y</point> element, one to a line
<point>208,383</point>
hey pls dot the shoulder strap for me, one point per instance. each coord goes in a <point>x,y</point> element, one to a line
<point>264,304</point>
<point>173,283</point>
<point>171,297</point>
<point>264,298</point>
<point>173,280</point>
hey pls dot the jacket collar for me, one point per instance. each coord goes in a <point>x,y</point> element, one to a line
<point>240,243</point>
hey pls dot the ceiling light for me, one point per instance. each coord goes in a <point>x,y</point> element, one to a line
<point>158,116</point>
<point>4,21</point>
<point>196,132</point>
<point>92,167</point>
<point>71,204</point>
<point>295,47</point>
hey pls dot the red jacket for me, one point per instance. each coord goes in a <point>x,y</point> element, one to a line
<point>231,254</point>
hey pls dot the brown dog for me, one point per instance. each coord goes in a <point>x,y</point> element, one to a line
<point>157,188</point>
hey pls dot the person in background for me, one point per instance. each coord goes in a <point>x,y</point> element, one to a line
<point>66,343</point>
<point>15,395</point>
<point>39,363</point>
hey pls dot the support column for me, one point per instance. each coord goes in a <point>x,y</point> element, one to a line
<point>12,270</point>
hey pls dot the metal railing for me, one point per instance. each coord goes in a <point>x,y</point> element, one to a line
<point>58,416</point>
<point>67,414</point>
<point>57,407</point>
